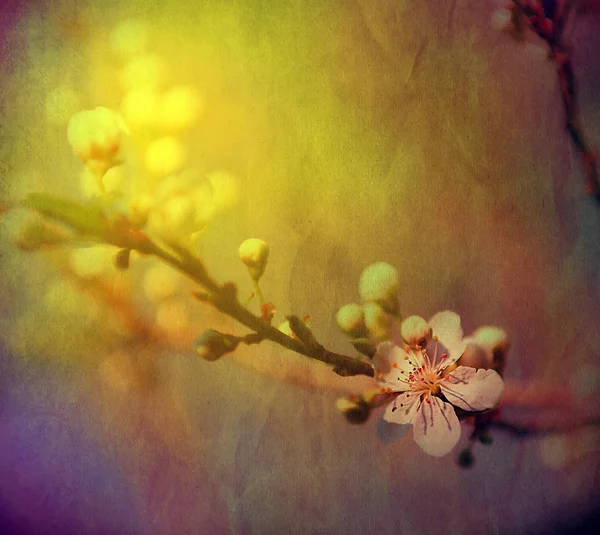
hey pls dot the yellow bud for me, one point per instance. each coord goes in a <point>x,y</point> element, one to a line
<point>415,331</point>
<point>377,321</point>
<point>379,283</point>
<point>495,341</point>
<point>254,253</point>
<point>96,137</point>
<point>351,320</point>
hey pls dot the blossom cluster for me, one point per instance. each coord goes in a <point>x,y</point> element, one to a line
<point>427,371</point>
<point>162,186</point>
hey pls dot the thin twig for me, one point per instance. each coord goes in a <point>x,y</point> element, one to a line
<point>550,27</point>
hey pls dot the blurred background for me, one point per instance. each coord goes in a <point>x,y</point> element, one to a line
<point>342,133</point>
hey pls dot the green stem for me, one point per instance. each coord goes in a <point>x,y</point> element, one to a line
<point>261,297</point>
<point>224,299</point>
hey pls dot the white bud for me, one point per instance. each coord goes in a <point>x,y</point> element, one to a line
<point>96,137</point>
<point>254,253</point>
<point>493,338</point>
<point>377,321</point>
<point>415,331</point>
<point>488,348</point>
<point>379,283</point>
<point>476,356</point>
<point>351,320</point>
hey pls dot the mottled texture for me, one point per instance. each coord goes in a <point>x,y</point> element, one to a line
<point>361,131</point>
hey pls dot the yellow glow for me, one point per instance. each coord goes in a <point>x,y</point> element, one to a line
<point>129,38</point>
<point>165,156</point>
<point>61,104</point>
<point>148,71</point>
<point>93,261</point>
<point>172,316</point>
<point>160,282</point>
<point>140,107</point>
<point>180,108</point>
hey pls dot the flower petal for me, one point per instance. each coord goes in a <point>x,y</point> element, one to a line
<point>436,427</point>
<point>473,390</point>
<point>402,411</point>
<point>389,432</point>
<point>446,327</point>
<point>392,365</point>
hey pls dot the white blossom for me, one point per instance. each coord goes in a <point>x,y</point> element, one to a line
<point>425,394</point>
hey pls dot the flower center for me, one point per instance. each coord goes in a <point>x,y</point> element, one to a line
<point>424,382</point>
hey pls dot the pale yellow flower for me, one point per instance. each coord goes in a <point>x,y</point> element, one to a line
<point>97,138</point>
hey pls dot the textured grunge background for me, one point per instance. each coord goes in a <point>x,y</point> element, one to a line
<point>359,130</point>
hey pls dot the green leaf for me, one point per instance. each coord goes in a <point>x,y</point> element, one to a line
<point>88,219</point>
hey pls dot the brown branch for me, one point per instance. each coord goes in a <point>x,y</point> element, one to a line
<point>224,298</point>
<point>550,27</point>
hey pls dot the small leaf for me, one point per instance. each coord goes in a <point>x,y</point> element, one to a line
<point>302,332</point>
<point>88,219</point>
<point>364,346</point>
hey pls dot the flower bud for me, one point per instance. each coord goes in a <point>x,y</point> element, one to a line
<point>377,321</point>
<point>254,253</point>
<point>29,231</point>
<point>379,283</point>
<point>415,331</point>
<point>212,345</point>
<point>180,209</point>
<point>96,137</point>
<point>351,320</point>
<point>495,341</point>
<point>476,356</point>
<point>354,409</point>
